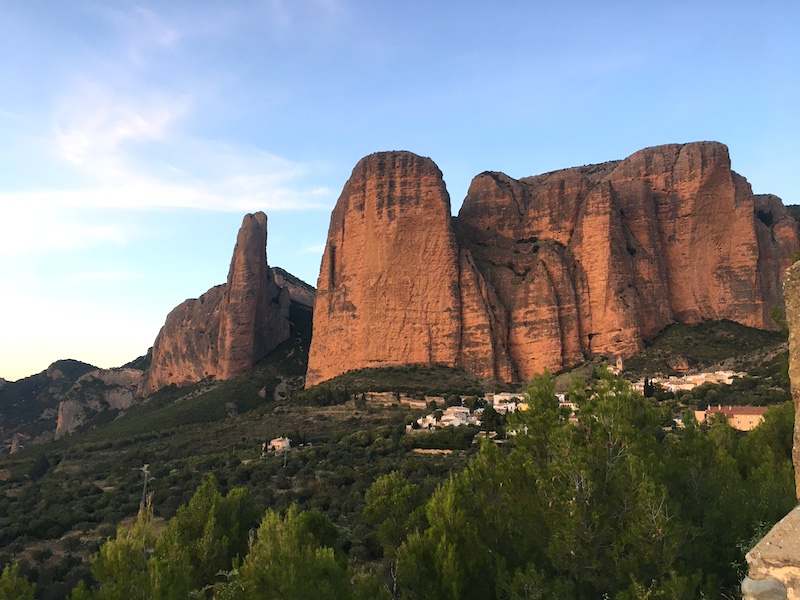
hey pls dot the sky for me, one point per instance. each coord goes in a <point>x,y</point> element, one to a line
<point>134,136</point>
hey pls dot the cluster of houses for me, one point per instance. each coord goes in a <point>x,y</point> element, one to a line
<point>743,418</point>
<point>689,382</point>
<point>454,416</point>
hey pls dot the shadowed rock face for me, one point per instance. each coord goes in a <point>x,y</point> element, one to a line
<point>95,392</point>
<point>299,291</point>
<point>791,291</point>
<point>545,271</point>
<point>229,328</point>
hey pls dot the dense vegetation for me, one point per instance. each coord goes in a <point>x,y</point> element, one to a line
<point>398,514</point>
<point>622,505</point>
<point>707,344</point>
<point>405,379</point>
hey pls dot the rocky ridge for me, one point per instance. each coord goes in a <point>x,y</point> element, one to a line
<point>299,291</point>
<point>545,271</point>
<point>221,334</point>
<point>95,392</point>
<point>224,332</point>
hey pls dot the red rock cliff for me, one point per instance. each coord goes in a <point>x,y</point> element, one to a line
<point>229,328</point>
<point>545,271</point>
<point>388,290</point>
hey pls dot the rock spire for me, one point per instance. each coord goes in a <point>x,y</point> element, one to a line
<point>224,332</point>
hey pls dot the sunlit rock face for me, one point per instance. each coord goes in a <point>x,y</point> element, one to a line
<point>388,290</point>
<point>224,332</point>
<point>545,271</point>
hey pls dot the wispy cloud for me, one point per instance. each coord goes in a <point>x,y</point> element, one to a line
<point>287,14</point>
<point>121,137</point>
<point>94,121</point>
<point>103,276</point>
<point>26,229</point>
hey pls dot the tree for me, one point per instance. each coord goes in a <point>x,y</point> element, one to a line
<point>392,504</point>
<point>491,420</point>
<point>120,567</point>
<point>202,540</point>
<point>287,561</point>
<point>571,511</point>
<point>15,587</point>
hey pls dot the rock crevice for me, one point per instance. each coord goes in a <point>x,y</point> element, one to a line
<point>545,271</point>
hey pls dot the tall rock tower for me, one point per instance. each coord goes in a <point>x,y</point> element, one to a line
<point>229,328</point>
<point>388,287</point>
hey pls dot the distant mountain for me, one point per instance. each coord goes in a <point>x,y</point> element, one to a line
<point>218,336</point>
<point>543,272</point>
<point>29,406</point>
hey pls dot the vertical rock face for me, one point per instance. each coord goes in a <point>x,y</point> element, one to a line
<point>229,328</point>
<point>255,311</point>
<point>549,270</point>
<point>388,287</point>
<point>791,292</point>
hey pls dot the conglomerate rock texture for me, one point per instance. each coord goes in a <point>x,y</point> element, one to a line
<point>545,271</point>
<point>791,291</point>
<point>224,332</point>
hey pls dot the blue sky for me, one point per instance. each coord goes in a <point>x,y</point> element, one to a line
<point>135,136</point>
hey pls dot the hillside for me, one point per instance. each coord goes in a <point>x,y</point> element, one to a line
<point>93,476</point>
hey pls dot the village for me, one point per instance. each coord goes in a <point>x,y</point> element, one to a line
<point>457,411</point>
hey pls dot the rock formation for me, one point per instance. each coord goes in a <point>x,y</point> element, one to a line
<point>299,291</point>
<point>229,328</point>
<point>97,391</point>
<point>545,271</point>
<point>388,287</point>
<point>791,292</point>
<point>29,406</point>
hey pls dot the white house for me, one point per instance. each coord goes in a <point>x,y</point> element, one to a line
<point>278,445</point>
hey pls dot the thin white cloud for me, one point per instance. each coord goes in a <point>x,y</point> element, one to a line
<point>141,31</point>
<point>285,16</point>
<point>128,152</point>
<point>103,276</point>
<point>94,121</point>
<point>116,141</point>
<point>25,230</point>
<point>237,194</point>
